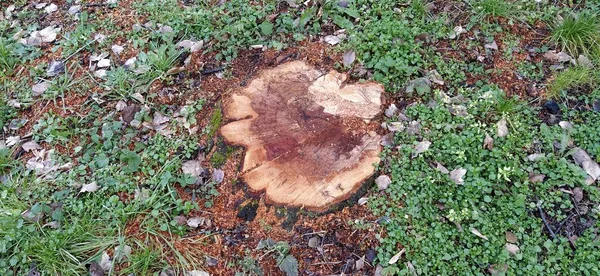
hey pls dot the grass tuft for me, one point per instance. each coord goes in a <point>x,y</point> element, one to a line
<point>490,9</point>
<point>578,34</point>
<point>572,78</point>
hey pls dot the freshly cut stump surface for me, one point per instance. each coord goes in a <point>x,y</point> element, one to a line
<point>305,134</point>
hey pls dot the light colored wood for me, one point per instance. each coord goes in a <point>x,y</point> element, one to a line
<point>305,134</point>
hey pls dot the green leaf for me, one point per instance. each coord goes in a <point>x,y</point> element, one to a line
<point>132,161</point>
<point>306,16</point>
<point>266,28</point>
<point>289,265</point>
<point>102,160</point>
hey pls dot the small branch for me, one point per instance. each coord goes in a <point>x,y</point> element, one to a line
<point>327,263</point>
<point>543,216</point>
<point>213,70</point>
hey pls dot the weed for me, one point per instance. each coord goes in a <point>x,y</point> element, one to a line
<point>435,221</point>
<point>490,9</point>
<point>532,71</point>
<point>577,33</point>
<point>281,252</point>
<point>569,79</point>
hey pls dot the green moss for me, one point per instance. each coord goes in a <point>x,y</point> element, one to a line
<point>218,159</point>
<point>215,122</point>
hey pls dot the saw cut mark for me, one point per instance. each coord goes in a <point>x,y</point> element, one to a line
<point>305,134</point>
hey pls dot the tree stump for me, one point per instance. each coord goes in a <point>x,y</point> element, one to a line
<point>305,134</point>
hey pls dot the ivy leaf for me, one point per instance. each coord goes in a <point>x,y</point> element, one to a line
<point>289,265</point>
<point>306,16</point>
<point>102,160</point>
<point>132,161</point>
<point>266,28</point>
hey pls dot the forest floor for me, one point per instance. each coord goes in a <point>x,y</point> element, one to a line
<point>111,160</point>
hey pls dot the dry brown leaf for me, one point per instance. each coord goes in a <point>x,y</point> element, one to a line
<point>478,234</point>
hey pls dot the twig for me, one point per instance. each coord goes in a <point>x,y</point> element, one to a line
<point>564,221</point>
<point>543,216</point>
<point>327,263</point>
<point>213,70</point>
<point>78,50</point>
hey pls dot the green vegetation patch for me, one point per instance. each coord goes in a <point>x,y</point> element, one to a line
<point>489,219</point>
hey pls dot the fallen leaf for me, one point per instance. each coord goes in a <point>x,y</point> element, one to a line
<point>488,142</point>
<point>582,159</point>
<point>120,105</point>
<point>332,40</point>
<point>117,49</point>
<point>101,74</point>
<point>89,188</point>
<point>496,269</point>
<point>557,56</point>
<point>74,9</point>
<point>395,126</point>
<point>388,140</point>
<point>492,46</point>
<point>441,168</point>
<point>105,262</point>
<point>128,112</point>
<point>577,194</point>
<point>130,63</point>
<point>478,234</point>
<point>360,264</point>
<point>96,269</point>
<point>52,224</point>
<point>396,257</point>
<point>457,175</point>
<point>218,176</point>
<point>39,88</point>
<point>175,70</point>
<point>534,178</point>
<point>55,67</point>
<point>502,129</point>
<point>535,157</point>
<point>30,216</point>
<point>435,77</point>
<point>122,253</point>
<point>31,145</point>
<point>565,125</point>
<point>363,200</point>
<point>512,248</point>
<point>99,38</point>
<point>510,237</point>
<point>391,111</point>
<point>348,58</point>
<point>314,242</point>
<point>12,140</point>
<point>192,167</point>
<point>195,222</point>
<point>584,61</point>
<point>421,147</point>
<point>458,30</point>
<point>383,182</point>
<point>51,8</point>
<point>103,63</point>
<point>197,273</point>
<point>159,119</point>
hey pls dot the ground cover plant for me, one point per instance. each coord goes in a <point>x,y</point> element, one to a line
<point>112,162</point>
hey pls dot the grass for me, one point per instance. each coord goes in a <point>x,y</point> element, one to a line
<point>570,79</point>
<point>490,9</point>
<point>578,33</point>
